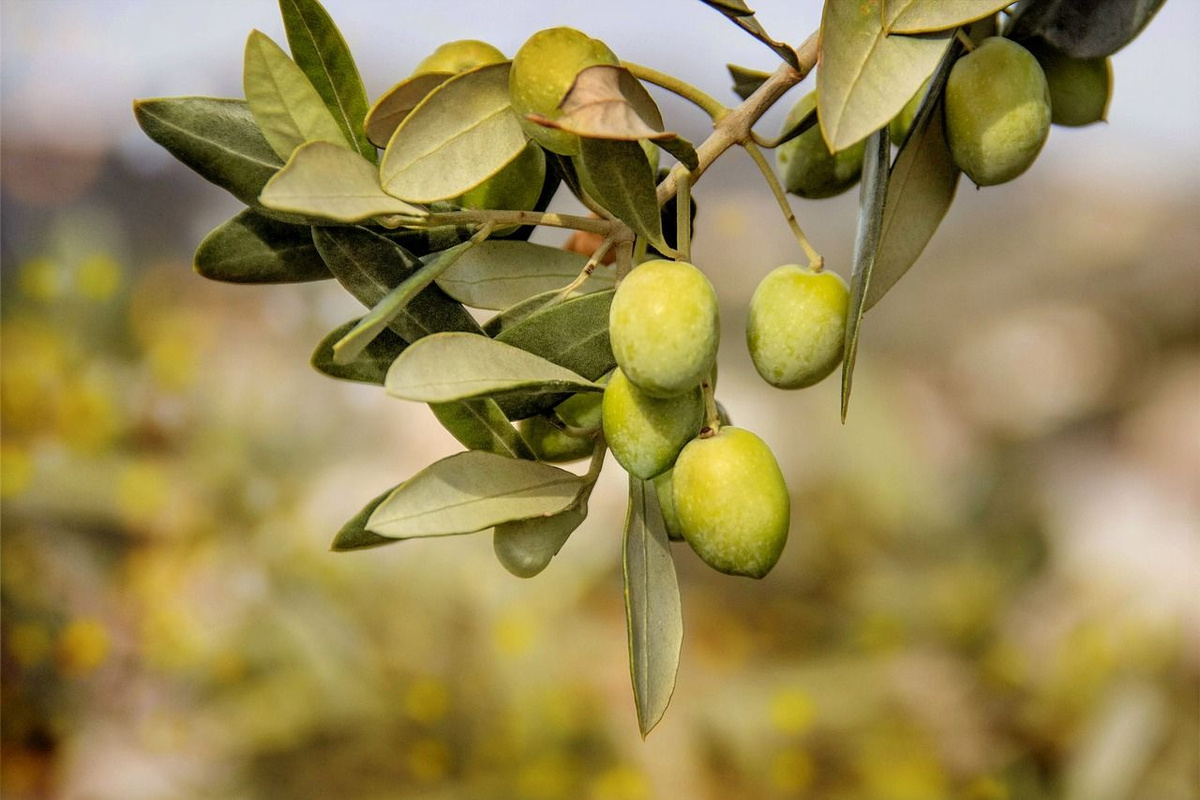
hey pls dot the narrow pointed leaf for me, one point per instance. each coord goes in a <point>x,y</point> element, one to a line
<point>618,176</point>
<point>745,80</point>
<point>354,534</point>
<point>461,134</point>
<point>287,108</point>
<point>499,274</point>
<point>470,492</point>
<point>866,76</point>
<point>321,52</point>
<point>372,363</point>
<point>866,248</point>
<point>216,137</point>
<point>744,18</point>
<point>251,248</point>
<point>608,102</point>
<point>732,8</point>
<point>682,149</point>
<point>398,102</point>
<point>653,611</point>
<point>925,16</point>
<point>480,425</point>
<point>515,313</point>
<point>1083,28</point>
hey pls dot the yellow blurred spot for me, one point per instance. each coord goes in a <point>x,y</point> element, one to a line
<point>89,418</point>
<point>987,788</point>
<point>1006,664</point>
<point>621,782</point>
<point>792,771</point>
<point>31,374</point>
<point>792,711</point>
<point>40,279</point>
<point>898,766</point>
<point>82,647</point>
<point>427,700</point>
<point>429,760</point>
<point>16,470</point>
<point>98,277</point>
<point>28,642</point>
<point>229,667</point>
<point>881,633</point>
<point>546,778</point>
<point>142,492</point>
<point>172,359</point>
<point>514,633</point>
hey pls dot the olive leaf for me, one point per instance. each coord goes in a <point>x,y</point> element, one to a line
<point>396,103</point>
<point>461,134</point>
<point>480,425</point>
<point>682,149</point>
<point>354,534</point>
<point>215,137</point>
<point>921,188</point>
<point>653,610</point>
<point>608,102</point>
<point>872,196</point>
<point>572,334</point>
<point>498,274</point>
<point>866,76</point>
<point>372,363</point>
<point>745,80</point>
<point>618,176</point>
<point>472,491</point>
<point>516,313</point>
<point>251,248</point>
<point>323,55</point>
<point>461,366</point>
<point>1083,28</point>
<point>925,16</point>
<point>330,182</point>
<point>741,15</point>
<point>287,108</point>
<point>526,546</point>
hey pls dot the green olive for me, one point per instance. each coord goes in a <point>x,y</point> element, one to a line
<point>797,325</point>
<point>551,443</point>
<point>663,489</point>
<point>664,327</point>
<point>732,502</point>
<point>543,71</point>
<point>646,433</point>
<point>997,111</point>
<point>1080,88</point>
<point>809,169</point>
<point>898,127</point>
<point>460,56</point>
<point>516,187</point>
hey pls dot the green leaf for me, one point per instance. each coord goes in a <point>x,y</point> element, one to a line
<point>516,312</point>
<point>618,176</point>
<point>741,15</point>
<point>925,16</point>
<point>215,137</point>
<point>607,102</point>
<point>461,366</point>
<point>251,248</point>
<point>372,364</point>
<point>572,334</point>
<point>354,534</point>
<point>653,611</point>
<point>398,102</point>
<point>498,274</point>
<point>461,134</point>
<point>920,189</point>
<point>525,547</point>
<point>472,491</point>
<point>284,103</point>
<point>328,181</point>
<point>322,53</point>
<point>682,149</point>
<point>866,248</point>
<point>866,76</point>
<point>481,425</point>
<point>1083,28</point>
<point>745,80</point>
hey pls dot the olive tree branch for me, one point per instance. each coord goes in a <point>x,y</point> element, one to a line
<point>603,227</point>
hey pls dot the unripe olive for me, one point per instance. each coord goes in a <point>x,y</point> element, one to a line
<point>517,187</point>
<point>898,127</point>
<point>550,443</point>
<point>663,489</point>
<point>797,325</point>
<point>1080,88</point>
<point>997,111</point>
<point>460,56</point>
<point>543,71</point>
<point>809,169</point>
<point>646,433</point>
<point>664,327</point>
<point>732,502</point>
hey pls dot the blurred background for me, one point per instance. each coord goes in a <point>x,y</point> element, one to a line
<point>990,589</point>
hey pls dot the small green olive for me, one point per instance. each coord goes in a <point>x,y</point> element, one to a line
<point>663,489</point>
<point>664,326</point>
<point>732,502</point>
<point>797,325</point>
<point>646,433</point>
<point>1080,88</point>
<point>809,169</point>
<point>898,127</point>
<point>460,56</point>
<point>517,187</point>
<point>551,443</point>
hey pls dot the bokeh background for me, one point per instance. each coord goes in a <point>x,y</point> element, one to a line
<point>990,589</point>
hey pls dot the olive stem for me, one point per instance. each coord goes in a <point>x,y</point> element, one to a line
<point>584,273</point>
<point>683,218</point>
<point>503,218</point>
<point>697,97</point>
<point>962,36</point>
<point>624,259</point>
<point>815,262</point>
<point>712,415</point>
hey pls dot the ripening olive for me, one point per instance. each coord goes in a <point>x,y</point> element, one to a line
<point>459,56</point>
<point>1080,88</point>
<point>732,502</point>
<point>516,187</point>
<point>543,71</point>
<point>797,325</point>
<point>550,443</point>
<point>997,111</point>
<point>663,487</point>
<point>646,433</point>
<point>898,127</point>
<point>809,169</point>
<point>664,327</point>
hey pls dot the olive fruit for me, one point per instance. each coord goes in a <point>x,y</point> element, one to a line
<point>459,56</point>
<point>997,111</point>
<point>516,187</point>
<point>543,71</point>
<point>664,327</point>
<point>732,502</point>
<point>797,325</point>
<point>898,127</point>
<point>663,486</point>
<point>646,433</point>
<point>809,169</point>
<point>1080,88</point>
<point>551,443</point>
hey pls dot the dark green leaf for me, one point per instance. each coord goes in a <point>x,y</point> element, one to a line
<point>481,425</point>
<point>866,248</point>
<point>354,534</point>
<point>618,176</point>
<point>322,53</point>
<point>745,80</point>
<point>424,241</point>
<point>526,546</point>
<point>1083,28</point>
<point>516,312</point>
<point>216,137</point>
<point>925,16</point>
<point>498,274</point>
<point>682,149</point>
<point>653,611</point>
<point>372,364</point>
<point>743,17</point>
<point>251,248</point>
